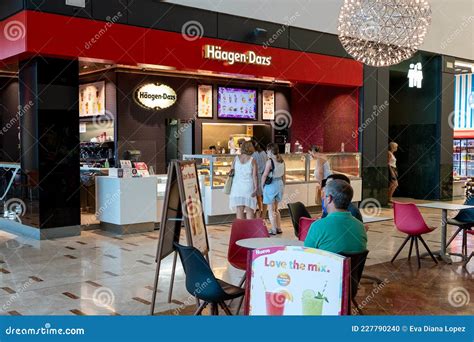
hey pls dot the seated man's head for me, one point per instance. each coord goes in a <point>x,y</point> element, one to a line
<point>337,195</point>
<point>330,178</point>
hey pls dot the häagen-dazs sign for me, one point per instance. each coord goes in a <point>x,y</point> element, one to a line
<point>250,57</point>
<point>155,96</point>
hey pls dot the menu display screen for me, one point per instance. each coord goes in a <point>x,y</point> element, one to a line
<point>236,103</point>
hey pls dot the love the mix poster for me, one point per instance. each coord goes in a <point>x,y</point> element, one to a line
<point>296,281</point>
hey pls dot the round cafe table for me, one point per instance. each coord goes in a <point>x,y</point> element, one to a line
<point>255,243</point>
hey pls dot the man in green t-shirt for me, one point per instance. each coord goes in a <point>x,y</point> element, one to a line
<point>339,231</point>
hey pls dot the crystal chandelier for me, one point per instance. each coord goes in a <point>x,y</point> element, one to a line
<point>383,32</point>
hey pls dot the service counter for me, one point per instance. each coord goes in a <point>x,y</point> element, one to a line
<point>129,205</point>
<point>300,186</point>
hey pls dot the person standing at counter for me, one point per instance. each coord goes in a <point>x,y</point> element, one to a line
<point>244,185</point>
<point>392,168</point>
<point>322,169</point>
<point>273,180</point>
<point>260,156</point>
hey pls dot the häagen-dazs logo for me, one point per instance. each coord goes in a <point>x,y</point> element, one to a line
<point>155,96</point>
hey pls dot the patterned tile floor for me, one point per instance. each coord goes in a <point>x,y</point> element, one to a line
<point>103,274</point>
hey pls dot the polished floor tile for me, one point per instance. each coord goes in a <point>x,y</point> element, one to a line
<point>100,273</point>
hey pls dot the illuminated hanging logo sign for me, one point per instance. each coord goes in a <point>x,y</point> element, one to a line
<point>155,96</point>
<point>215,52</point>
<point>415,75</point>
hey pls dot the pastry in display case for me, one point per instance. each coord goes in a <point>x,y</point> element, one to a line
<point>295,165</point>
<point>212,169</point>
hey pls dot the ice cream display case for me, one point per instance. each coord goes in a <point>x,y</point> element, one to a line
<point>300,186</point>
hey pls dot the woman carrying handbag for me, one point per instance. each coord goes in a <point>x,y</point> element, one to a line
<point>243,191</point>
<point>273,180</point>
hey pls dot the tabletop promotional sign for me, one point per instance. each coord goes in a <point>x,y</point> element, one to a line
<point>297,281</point>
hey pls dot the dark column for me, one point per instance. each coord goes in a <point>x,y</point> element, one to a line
<point>446,130</point>
<point>50,142</point>
<point>373,133</point>
<point>415,124</point>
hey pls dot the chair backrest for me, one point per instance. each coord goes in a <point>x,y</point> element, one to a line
<point>305,225</point>
<point>243,229</point>
<point>466,215</point>
<point>297,210</point>
<point>200,280</point>
<point>408,218</point>
<point>357,267</point>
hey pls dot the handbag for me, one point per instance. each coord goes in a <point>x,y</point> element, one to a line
<point>229,180</point>
<point>269,178</point>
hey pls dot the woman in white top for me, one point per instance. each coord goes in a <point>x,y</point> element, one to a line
<point>273,189</point>
<point>392,167</point>
<point>322,169</point>
<point>244,185</point>
<point>260,157</point>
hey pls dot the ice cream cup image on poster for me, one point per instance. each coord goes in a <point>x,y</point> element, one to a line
<point>296,281</point>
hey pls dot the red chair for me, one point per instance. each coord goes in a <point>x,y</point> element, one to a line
<point>408,220</point>
<point>244,229</point>
<point>304,226</point>
<point>236,255</point>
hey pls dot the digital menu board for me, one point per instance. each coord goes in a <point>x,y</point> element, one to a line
<point>236,103</point>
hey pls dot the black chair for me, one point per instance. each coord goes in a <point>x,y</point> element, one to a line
<point>464,220</point>
<point>202,284</point>
<point>297,210</point>
<point>357,267</point>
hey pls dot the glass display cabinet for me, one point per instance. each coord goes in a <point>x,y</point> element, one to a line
<point>295,167</point>
<point>348,164</point>
<point>212,169</point>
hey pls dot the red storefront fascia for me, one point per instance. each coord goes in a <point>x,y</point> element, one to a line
<point>66,37</point>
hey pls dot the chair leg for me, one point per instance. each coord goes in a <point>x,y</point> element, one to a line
<point>225,308</point>
<point>200,308</point>
<point>215,309</point>
<point>240,305</point>
<point>464,243</point>
<point>468,259</point>
<point>417,252</point>
<point>242,281</point>
<point>356,305</point>
<point>411,248</point>
<point>400,249</point>
<point>428,250</point>
<point>453,237</point>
